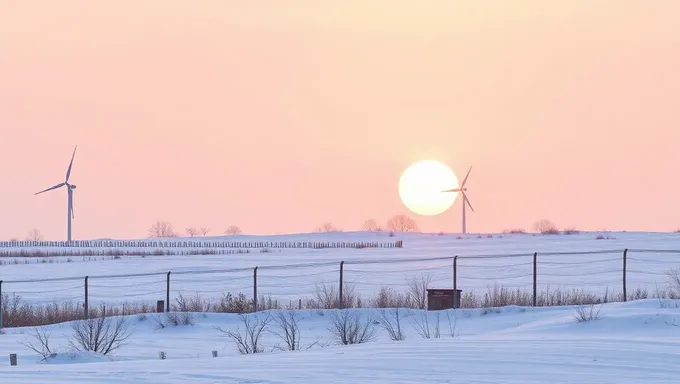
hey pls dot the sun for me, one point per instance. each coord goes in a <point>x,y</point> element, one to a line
<point>421,186</point>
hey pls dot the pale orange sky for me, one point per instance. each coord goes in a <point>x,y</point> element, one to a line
<point>280,115</point>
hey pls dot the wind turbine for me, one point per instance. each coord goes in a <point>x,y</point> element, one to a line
<point>462,190</point>
<point>69,188</point>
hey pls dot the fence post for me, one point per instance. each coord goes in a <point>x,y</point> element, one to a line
<point>535,279</point>
<point>86,304</point>
<point>342,271</point>
<point>455,281</point>
<point>0,304</point>
<point>167,293</point>
<point>625,257</point>
<point>255,289</point>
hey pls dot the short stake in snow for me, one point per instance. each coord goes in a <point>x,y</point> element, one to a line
<point>161,355</point>
<point>13,359</point>
<point>214,353</point>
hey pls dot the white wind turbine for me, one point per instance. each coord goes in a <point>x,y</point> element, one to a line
<point>69,188</point>
<point>462,190</point>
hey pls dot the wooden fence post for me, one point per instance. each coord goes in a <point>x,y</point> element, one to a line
<point>535,276</point>
<point>255,289</point>
<point>86,306</point>
<point>340,299</point>
<point>625,257</point>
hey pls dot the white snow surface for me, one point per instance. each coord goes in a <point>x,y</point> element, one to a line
<point>633,342</point>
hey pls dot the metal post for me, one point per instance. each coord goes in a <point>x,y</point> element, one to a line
<point>0,304</point>
<point>455,282</point>
<point>167,294</point>
<point>625,257</point>
<point>342,270</point>
<point>255,289</point>
<point>535,279</point>
<point>86,304</point>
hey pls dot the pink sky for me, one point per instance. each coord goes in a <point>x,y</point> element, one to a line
<point>278,117</point>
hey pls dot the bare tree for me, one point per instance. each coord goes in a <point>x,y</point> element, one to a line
<point>391,322</point>
<point>370,225</point>
<point>101,335</point>
<point>191,231</point>
<point>327,227</point>
<point>546,227</point>
<point>402,223</point>
<point>35,235</point>
<point>347,327</point>
<point>204,231</point>
<point>41,344</point>
<point>248,341</point>
<point>417,290</point>
<point>162,229</point>
<point>233,230</point>
<point>287,323</point>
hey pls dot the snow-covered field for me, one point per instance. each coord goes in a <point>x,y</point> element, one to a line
<point>565,262</point>
<point>634,342</point>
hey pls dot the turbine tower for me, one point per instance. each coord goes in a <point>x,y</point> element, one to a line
<point>462,190</point>
<point>69,188</point>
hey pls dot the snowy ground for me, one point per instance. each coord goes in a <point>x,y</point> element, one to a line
<point>297,272</point>
<point>634,342</point>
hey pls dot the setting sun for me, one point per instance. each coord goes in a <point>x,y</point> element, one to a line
<point>421,186</point>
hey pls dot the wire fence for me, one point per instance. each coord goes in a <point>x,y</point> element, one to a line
<point>531,279</point>
<point>199,244</point>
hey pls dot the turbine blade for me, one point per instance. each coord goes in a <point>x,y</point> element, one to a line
<point>465,179</point>
<point>467,201</point>
<point>452,190</point>
<point>51,188</point>
<point>70,198</point>
<point>68,172</point>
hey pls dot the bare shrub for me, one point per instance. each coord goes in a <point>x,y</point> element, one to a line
<point>327,296</point>
<point>173,319</point>
<point>234,304</point>
<point>514,231</point>
<point>287,323</point>
<point>588,313</point>
<point>204,231</point>
<point>390,321</point>
<point>161,229</point>
<point>233,230</point>
<point>452,323</point>
<point>191,231</point>
<point>193,304</point>
<point>247,341</point>
<point>347,327</point>
<point>571,231</point>
<point>35,235</point>
<point>417,290</point>
<point>40,343</point>
<point>546,227</point>
<point>674,280</point>
<point>421,323</point>
<point>327,227</point>
<point>370,225</point>
<point>102,335</point>
<point>389,298</point>
<point>402,223</point>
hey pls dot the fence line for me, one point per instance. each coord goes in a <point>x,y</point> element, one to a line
<point>201,244</point>
<point>458,271</point>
